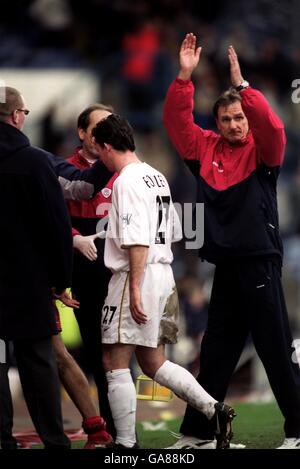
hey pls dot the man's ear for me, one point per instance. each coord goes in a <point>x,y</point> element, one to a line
<point>81,134</point>
<point>15,117</point>
<point>107,146</point>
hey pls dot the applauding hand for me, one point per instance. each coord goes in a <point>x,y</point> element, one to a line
<point>235,71</point>
<point>189,56</point>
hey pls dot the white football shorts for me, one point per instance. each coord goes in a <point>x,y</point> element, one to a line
<point>159,301</point>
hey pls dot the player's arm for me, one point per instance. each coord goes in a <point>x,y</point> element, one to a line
<point>133,227</point>
<point>188,138</point>
<point>137,262</point>
<point>265,125</point>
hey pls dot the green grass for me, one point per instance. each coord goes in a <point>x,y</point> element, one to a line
<point>258,426</point>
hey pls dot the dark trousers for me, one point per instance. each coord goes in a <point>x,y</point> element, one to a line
<point>247,297</point>
<point>89,321</point>
<point>41,388</point>
<point>6,407</point>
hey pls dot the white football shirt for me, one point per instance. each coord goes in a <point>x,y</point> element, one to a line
<point>142,213</point>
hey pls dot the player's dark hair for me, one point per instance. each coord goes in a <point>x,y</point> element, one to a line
<point>83,120</point>
<point>228,97</point>
<point>116,131</point>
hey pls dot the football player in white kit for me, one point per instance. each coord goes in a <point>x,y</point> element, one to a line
<point>141,308</point>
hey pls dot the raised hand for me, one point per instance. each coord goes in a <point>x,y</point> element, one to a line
<point>235,71</point>
<point>189,56</point>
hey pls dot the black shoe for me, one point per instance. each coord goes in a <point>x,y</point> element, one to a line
<point>224,416</point>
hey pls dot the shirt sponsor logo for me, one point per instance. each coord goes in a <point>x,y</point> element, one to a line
<point>126,218</point>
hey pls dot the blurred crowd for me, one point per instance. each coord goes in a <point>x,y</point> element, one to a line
<point>132,46</point>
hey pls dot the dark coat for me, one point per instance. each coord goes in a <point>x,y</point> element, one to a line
<point>35,238</point>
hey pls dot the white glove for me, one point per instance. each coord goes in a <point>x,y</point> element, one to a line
<point>86,245</point>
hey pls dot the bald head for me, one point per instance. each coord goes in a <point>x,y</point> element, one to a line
<point>13,100</point>
<point>13,110</point>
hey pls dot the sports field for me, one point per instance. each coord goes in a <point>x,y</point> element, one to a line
<point>258,426</point>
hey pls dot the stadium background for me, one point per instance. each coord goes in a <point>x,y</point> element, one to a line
<point>64,55</point>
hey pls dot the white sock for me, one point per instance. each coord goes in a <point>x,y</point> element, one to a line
<point>122,401</point>
<point>183,383</point>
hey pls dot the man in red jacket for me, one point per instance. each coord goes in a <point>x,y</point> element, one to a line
<point>90,276</point>
<point>236,172</point>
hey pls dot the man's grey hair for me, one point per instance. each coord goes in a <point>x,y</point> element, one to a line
<point>13,100</point>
